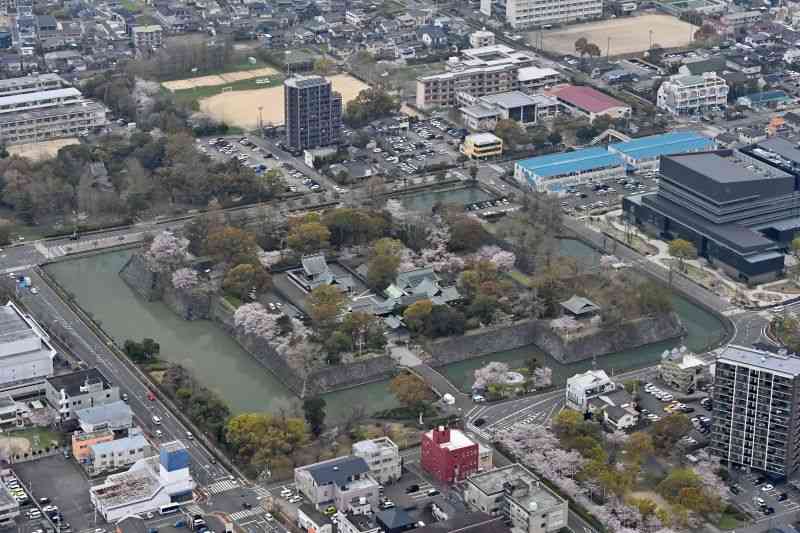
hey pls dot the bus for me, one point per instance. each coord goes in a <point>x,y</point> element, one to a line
<point>169,508</point>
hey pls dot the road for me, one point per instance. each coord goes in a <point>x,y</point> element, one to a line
<point>48,307</point>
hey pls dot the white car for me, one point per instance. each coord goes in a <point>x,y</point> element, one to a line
<point>156,420</point>
<point>767,488</point>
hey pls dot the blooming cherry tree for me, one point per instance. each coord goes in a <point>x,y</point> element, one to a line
<point>491,374</point>
<point>166,253</point>
<point>184,278</point>
<point>253,319</point>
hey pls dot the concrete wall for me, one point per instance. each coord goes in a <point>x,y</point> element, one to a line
<point>498,339</point>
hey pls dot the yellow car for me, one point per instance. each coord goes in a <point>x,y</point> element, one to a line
<point>329,511</point>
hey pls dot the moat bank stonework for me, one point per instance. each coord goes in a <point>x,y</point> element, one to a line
<point>565,349</point>
<point>199,305</point>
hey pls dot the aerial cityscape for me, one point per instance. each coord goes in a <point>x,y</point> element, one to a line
<point>322,266</point>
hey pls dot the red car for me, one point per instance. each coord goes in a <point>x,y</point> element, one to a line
<point>151,396</point>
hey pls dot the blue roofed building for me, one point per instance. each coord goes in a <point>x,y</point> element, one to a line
<point>644,153</point>
<point>558,172</point>
<point>119,453</point>
<point>764,99</point>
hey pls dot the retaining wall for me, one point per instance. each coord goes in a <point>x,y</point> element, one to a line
<point>328,379</point>
<point>565,350</point>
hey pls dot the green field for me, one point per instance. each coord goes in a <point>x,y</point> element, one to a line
<point>198,93</point>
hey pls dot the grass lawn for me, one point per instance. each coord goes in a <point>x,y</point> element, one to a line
<point>131,5</point>
<point>227,68</point>
<point>728,522</point>
<point>188,96</point>
<point>520,278</point>
<point>45,436</point>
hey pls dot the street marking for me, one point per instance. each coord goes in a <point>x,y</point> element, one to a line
<point>247,513</point>
<point>221,486</point>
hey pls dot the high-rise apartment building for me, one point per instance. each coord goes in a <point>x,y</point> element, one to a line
<point>312,112</point>
<point>755,410</point>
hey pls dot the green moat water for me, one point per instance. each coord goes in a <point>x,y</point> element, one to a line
<point>221,364</point>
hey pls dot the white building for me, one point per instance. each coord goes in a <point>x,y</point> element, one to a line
<point>118,453</point>
<point>481,38</point>
<point>116,416</point>
<point>25,351</point>
<point>147,485</point>
<point>383,458</point>
<point>342,482</point>
<point>515,493</point>
<point>39,115</point>
<point>687,95</point>
<point>485,111</point>
<point>147,37</point>
<point>583,387</point>
<point>544,13</point>
<point>478,72</point>
<point>72,392</point>
<point>9,508</point>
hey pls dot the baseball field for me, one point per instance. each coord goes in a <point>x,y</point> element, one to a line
<point>625,35</point>
<point>218,79</point>
<point>240,108</point>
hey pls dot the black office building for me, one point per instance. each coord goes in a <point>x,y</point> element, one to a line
<point>312,112</point>
<point>740,208</point>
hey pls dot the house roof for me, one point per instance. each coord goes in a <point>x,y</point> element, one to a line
<point>578,305</point>
<point>110,412</point>
<point>394,518</point>
<point>587,98</point>
<point>467,523</point>
<point>338,470</point>
<point>676,142</point>
<point>71,383</point>
<point>314,265</point>
<point>413,278</point>
<point>583,160</point>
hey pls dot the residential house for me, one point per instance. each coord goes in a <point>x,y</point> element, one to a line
<point>342,482</point>
<point>71,392</point>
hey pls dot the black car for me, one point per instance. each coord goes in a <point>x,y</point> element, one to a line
<point>769,511</point>
<point>412,488</point>
<point>782,497</point>
<point>760,481</point>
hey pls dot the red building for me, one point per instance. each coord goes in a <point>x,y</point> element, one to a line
<point>448,454</point>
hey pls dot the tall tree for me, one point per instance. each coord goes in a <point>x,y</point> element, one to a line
<point>314,411</point>
<point>409,389</point>
<point>682,250</point>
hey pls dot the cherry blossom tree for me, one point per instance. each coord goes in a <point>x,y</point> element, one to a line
<point>268,259</point>
<point>253,319</point>
<point>504,260</point>
<point>542,377</point>
<point>491,374</point>
<point>184,278</point>
<point>166,253</point>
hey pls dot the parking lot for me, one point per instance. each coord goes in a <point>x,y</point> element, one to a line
<point>244,150</point>
<point>62,481</point>
<point>427,144</point>
<point>582,199</point>
<point>657,400</point>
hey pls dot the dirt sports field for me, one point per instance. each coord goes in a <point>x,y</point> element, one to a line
<point>218,79</point>
<point>240,108</point>
<point>41,150</point>
<point>628,35</point>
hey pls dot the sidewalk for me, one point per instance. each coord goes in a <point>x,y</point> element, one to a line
<point>714,280</point>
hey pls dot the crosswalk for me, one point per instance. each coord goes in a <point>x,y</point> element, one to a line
<point>261,492</point>
<point>221,486</point>
<point>246,513</point>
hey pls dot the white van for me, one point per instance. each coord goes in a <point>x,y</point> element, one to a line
<point>156,420</point>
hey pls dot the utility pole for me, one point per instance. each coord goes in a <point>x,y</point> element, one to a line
<point>608,48</point>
